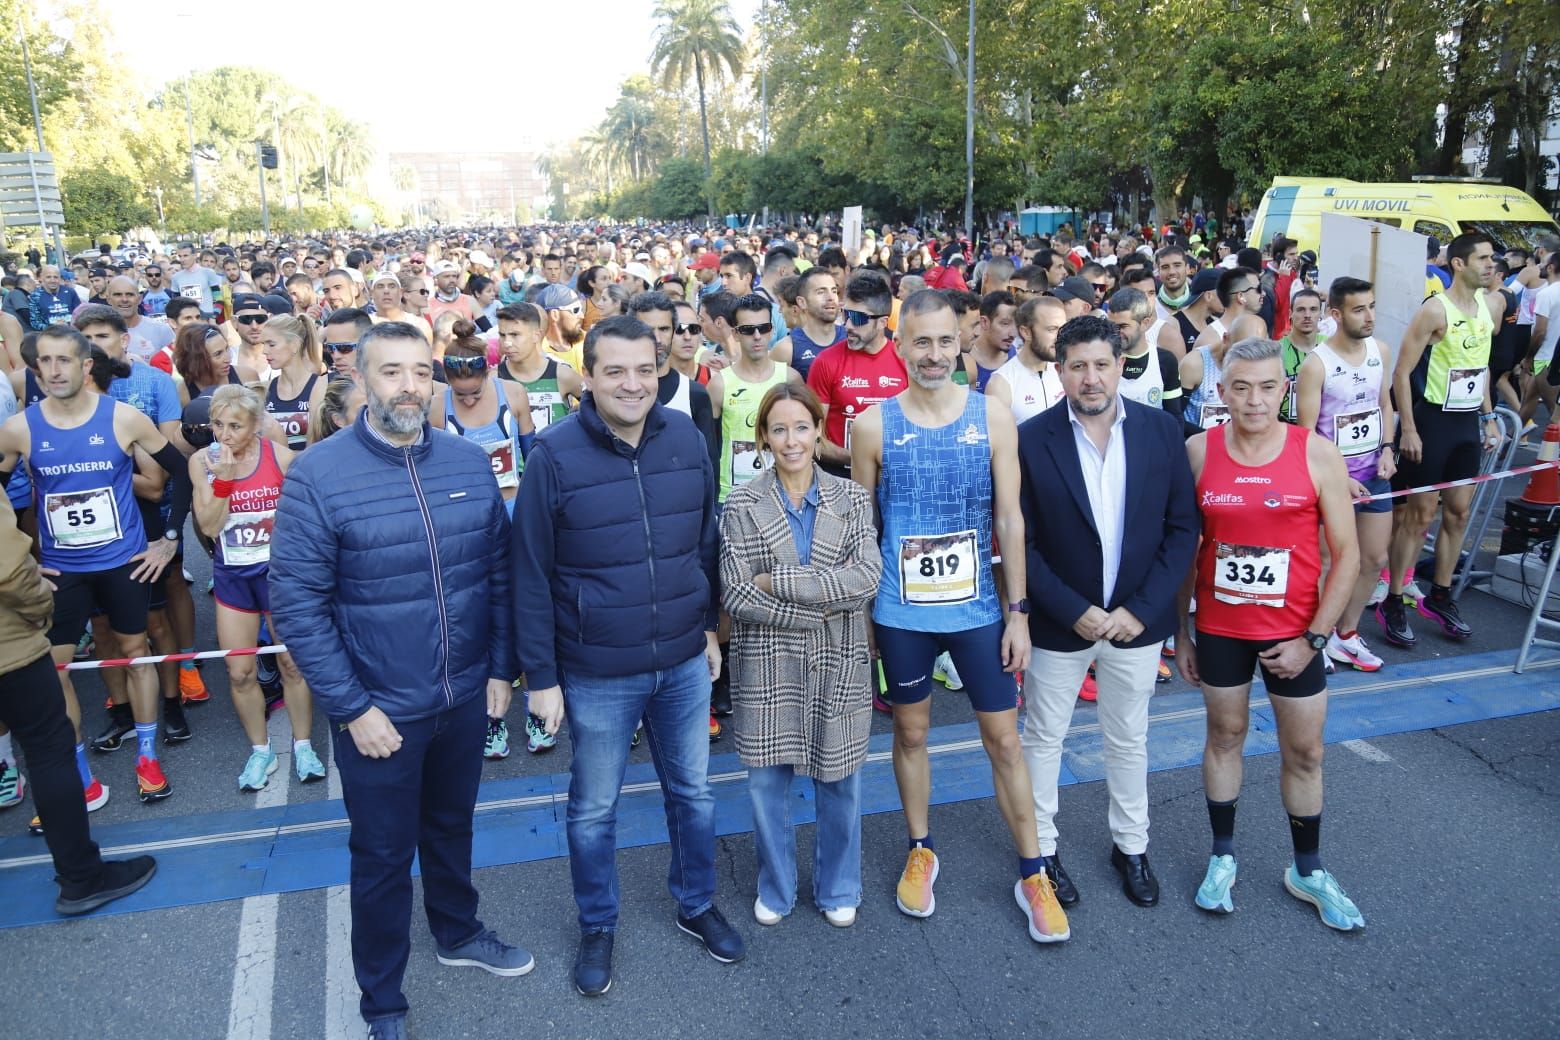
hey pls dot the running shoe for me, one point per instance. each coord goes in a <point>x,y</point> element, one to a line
<point>1394,622</point>
<point>13,785</point>
<point>1213,894</point>
<point>35,827</point>
<point>538,740</point>
<point>257,771</point>
<point>497,744</point>
<point>715,729</point>
<point>720,698</point>
<point>914,895</point>
<point>175,727</point>
<point>1379,593</point>
<point>880,700</point>
<point>266,672</point>
<point>120,725</point>
<point>944,672</point>
<point>1443,611</point>
<point>96,795</point>
<point>1168,648</point>
<point>765,916</point>
<point>1411,591</point>
<point>1036,896</point>
<point>307,765</point>
<point>151,784</point>
<point>639,733</point>
<point>85,647</point>
<point>1322,891</point>
<point>1089,691</point>
<point>1164,671</point>
<point>1352,651</point>
<point>192,687</point>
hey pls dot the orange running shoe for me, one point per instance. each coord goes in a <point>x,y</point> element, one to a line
<point>715,730</point>
<point>914,894</point>
<point>192,688</point>
<point>1036,896</point>
<point>1088,691</point>
<point>151,784</point>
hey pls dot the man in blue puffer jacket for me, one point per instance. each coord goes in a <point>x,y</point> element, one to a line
<point>390,585</point>
<point>615,559</point>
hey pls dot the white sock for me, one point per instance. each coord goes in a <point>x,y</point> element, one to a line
<point>302,745</point>
<point>6,754</point>
<point>261,747</point>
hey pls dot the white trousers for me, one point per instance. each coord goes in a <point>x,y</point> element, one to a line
<point>1126,682</point>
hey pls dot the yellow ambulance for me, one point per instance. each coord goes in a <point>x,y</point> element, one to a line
<point>1440,206</point>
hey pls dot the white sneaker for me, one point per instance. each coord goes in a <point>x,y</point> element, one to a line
<point>1352,651</point>
<point>765,916</point>
<point>1411,591</point>
<point>1379,593</point>
<point>843,917</point>
<point>944,672</point>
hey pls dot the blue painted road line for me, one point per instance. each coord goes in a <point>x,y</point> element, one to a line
<point>211,857</point>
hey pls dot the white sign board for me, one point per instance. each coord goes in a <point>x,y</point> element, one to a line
<point>850,231</point>
<point>1392,259</point>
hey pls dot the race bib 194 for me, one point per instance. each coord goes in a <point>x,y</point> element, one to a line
<point>246,538</point>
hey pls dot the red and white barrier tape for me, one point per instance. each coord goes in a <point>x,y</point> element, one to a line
<point>1445,484</point>
<point>203,655</point>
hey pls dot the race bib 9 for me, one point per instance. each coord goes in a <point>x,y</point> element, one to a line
<point>1465,389</point>
<point>83,519</point>
<point>1250,575</point>
<point>938,568</point>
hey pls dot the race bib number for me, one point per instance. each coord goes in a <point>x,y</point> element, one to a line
<point>190,292</point>
<point>544,404</point>
<point>83,519</point>
<point>1465,389</point>
<point>1357,433</point>
<point>296,426</point>
<point>1250,575</point>
<point>747,462</point>
<point>1292,403</point>
<point>1213,414</point>
<point>501,455</point>
<point>938,568</point>
<point>246,538</point>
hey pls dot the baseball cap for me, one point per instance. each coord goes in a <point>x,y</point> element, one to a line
<point>557,297</point>
<point>442,267</point>
<point>480,258</point>
<point>277,303</point>
<point>1206,280</point>
<point>385,276</point>
<point>705,262</point>
<point>641,256</point>
<point>639,271</point>
<point>1075,287</point>
<point>247,301</point>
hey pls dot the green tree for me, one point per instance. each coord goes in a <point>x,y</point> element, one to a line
<point>98,201</point>
<point>628,131</point>
<point>697,38</point>
<point>678,191</point>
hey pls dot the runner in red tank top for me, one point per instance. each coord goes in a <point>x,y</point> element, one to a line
<point>1263,488</point>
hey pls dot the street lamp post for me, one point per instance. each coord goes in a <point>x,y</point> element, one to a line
<point>969,130</point>
<point>32,93</point>
<point>189,122</point>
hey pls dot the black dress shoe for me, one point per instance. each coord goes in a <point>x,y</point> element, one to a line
<point>593,964</point>
<point>1137,877</point>
<point>1066,891</point>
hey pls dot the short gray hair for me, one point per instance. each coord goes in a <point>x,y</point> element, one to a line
<point>388,330</point>
<point>1256,348</point>
<point>1131,302</point>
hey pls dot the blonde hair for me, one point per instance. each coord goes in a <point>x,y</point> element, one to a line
<point>333,402</point>
<point>301,330</point>
<point>239,399</point>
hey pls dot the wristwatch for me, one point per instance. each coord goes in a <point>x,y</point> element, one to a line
<point>1021,607</point>
<point>171,535</point>
<point>1317,642</point>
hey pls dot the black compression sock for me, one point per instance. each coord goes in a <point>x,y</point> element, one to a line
<point>1221,816</point>
<point>1306,833</point>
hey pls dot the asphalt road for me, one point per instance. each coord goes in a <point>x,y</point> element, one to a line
<point>1443,834</point>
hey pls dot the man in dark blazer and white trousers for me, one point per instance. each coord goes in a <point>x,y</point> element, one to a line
<point>1111,526</point>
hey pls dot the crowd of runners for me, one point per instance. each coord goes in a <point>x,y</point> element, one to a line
<point>994,398</point>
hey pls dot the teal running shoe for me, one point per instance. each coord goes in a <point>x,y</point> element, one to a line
<point>13,786</point>
<point>497,744</point>
<point>307,765</point>
<point>537,739</point>
<point>1213,894</point>
<point>257,771</point>
<point>1322,891</point>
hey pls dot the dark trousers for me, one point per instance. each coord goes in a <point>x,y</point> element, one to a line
<point>418,801</point>
<point>33,706</point>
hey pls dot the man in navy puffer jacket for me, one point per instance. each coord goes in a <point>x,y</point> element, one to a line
<point>390,585</point>
<point>614,554</point>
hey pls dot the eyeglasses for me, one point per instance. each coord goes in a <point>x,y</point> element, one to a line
<point>340,348</point>
<point>1100,287</point>
<point>693,328</point>
<point>152,272</point>
<point>860,318</point>
<point>465,366</point>
<point>251,319</point>
<point>761,330</point>
<point>1247,289</point>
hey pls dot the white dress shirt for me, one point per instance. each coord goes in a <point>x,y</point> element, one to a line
<point>1105,479</point>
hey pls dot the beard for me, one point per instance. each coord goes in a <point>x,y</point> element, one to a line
<point>403,415</point>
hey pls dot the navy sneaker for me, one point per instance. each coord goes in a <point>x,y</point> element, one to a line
<point>593,964</point>
<point>720,940</point>
<point>392,1028</point>
<point>488,952</point>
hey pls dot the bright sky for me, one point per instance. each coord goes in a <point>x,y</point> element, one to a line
<point>491,76</point>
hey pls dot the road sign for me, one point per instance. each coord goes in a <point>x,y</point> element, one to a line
<point>29,192</point>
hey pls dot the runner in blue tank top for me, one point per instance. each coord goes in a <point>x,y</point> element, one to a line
<point>942,464</point>
<point>78,447</point>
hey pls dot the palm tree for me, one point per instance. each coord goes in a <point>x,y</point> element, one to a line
<point>350,152</point>
<point>627,130</point>
<point>701,38</point>
<point>296,123</point>
<point>403,178</point>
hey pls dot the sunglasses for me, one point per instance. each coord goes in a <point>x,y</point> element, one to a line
<point>340,348</point>
<point>1100,287</point>
<point>420,292</point>
<point>574,309</point>
<point>749,330</point>
<point>251,319</point>
<point>465,366</point>
<point>693,328</point>
<point>860,318</point>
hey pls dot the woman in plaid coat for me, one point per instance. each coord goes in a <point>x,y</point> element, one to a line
<point>799,566</point>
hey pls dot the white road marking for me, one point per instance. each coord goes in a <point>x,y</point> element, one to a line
<point>1366,750</point>
<point>342,1018</point>
<point>254,962</point>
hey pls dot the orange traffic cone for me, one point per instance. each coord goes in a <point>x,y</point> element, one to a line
<point>1544,487</point>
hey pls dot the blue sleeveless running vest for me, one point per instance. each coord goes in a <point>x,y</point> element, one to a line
<point>492,437</point>
<point>87,516</point>
<point>934,495</point>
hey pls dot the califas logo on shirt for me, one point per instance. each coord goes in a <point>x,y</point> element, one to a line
<point>1222,498</point>
<point>854,383</point>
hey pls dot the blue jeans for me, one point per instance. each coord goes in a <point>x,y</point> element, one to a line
<point>836,853</point>
<point>418,801</point>
<point>675,705</point>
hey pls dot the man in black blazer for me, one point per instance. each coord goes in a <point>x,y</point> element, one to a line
<point>1111,526</point>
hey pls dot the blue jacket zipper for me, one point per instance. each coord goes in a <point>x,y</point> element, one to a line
<point>438,578</point>
<point>655,623</point>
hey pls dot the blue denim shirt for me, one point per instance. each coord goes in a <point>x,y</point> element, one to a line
<point>800,519</point>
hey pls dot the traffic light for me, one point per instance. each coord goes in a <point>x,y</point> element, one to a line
<point>268,156</point>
